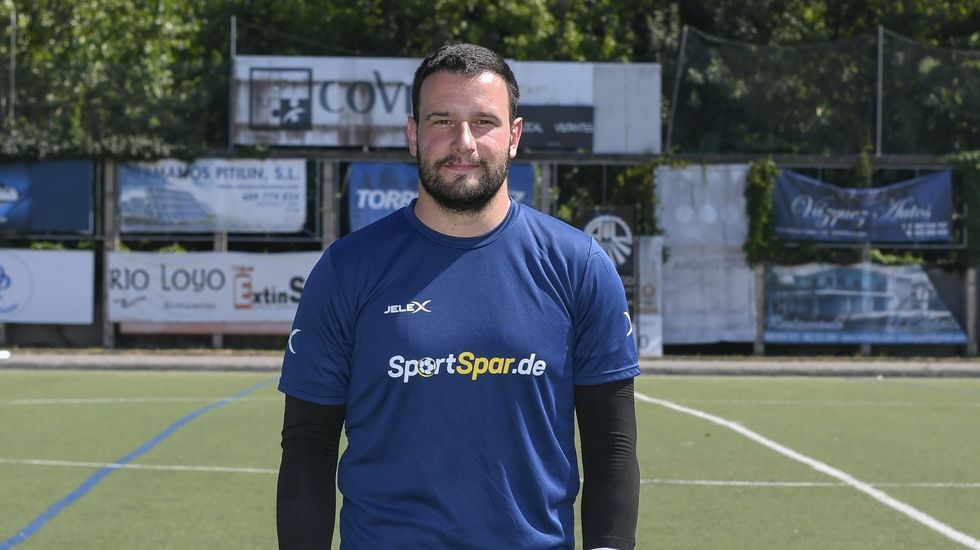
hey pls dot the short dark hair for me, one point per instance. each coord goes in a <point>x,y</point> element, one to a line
<point>468,60</point>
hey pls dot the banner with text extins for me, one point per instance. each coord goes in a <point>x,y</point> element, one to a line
<point>916,210</point>
<point>196,287</point>
<point>208,195</point>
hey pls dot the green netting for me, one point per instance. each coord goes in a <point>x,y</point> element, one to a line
<point>743,98</point>
<point>930,100</point>
<point>823,98</point>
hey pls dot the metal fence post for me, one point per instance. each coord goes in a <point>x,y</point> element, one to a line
<point>677,84</point>
<point>881,74</point>
<point>110,243</point>
<point>759,347</point>
<point>971,311</point>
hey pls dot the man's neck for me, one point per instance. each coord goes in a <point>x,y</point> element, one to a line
<point>456,224</point>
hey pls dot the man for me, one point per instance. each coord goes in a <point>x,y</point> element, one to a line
<point>456,339</point>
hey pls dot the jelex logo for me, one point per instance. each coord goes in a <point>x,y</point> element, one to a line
<point>411,307</point>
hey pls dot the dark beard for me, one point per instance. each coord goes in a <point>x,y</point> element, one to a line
<point>455,196</point>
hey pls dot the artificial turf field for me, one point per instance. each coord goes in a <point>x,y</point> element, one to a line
<point>726,462</point>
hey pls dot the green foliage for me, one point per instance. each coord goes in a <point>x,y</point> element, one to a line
<point>759,183</point>
<point>966,191</point>
<point>47,245</point>
<point>902,258</point>
<point>173,248</point>
<point>862,173</point>
<point>580,189</point>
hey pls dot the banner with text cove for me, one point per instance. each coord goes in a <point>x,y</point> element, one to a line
<point>198,287</point>
<point>211,195</point>
<point>916,210</point>
<point>299,101</point>
<point>376,189</point>
<point>47,286</point>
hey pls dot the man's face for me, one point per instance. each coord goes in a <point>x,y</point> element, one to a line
<point>463,139</point>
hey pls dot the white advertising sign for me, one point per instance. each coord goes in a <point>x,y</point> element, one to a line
<point>198,287</point>
<point>708,295</point>
<point>366,101</point>
<point>702,204</point>
<point>208,195</point>
<point>47,286</point>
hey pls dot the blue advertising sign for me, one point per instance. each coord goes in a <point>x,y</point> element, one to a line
<point>376,189</point>
<point>52,196</point>
<point>916,210</point>
<point>856,304</point>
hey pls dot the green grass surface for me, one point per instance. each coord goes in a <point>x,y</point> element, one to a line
<point>705,486</point>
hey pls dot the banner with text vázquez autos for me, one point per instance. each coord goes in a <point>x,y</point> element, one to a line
<point>197,287</point>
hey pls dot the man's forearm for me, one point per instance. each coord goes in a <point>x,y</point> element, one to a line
<point>610,492</point>
<point>306,493</point>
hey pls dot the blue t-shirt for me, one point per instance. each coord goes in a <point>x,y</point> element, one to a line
<point>457,359</point>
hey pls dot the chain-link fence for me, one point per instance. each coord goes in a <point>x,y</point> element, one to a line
<point>883,93</point>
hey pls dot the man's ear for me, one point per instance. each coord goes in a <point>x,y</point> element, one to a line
<point>516,129</point>
<point>412,131</point>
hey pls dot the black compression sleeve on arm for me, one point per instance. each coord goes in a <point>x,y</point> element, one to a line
<point>306,495</point>
<point>611,490</point>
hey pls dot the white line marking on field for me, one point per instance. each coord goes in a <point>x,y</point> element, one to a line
<point>904,404</point>
<point>655,481</point>
<point>791,484</point>
<point>850,480</point>
<point>130,466</point>
<point>114,400</point>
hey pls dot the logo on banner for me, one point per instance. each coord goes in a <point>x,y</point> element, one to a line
<point>16,286</point>
<point>613,235</point>
<point>242,286</point>
<point>281,99</point>
<point>8,193</point>
<point>246,296</point>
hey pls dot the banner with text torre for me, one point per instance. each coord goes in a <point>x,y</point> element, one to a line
<point>916,210</point>
<point>47,286</point>
<point>376,189</point>
<point>196,287</point>
<point>209,195</point>
<point>366,101</point>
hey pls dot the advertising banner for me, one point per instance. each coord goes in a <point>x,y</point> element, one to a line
<point>916,210</point>
<point>708,295</point>
<point>376,189</point>
<point>47,286</point>
<point>211,195</point>
<point>365,101</point>
<point>557,127</point>
<point>53,196</point>
<point>199,287</point>
<point>702,205</point>
<point>612,228</point>
<point>856,304</point>
<point>649,323</point>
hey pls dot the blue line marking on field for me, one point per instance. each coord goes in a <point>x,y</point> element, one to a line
<point>90,483</point>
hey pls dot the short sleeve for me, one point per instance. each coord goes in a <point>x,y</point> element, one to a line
<point>316,362</point>
<point>604,348</point>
